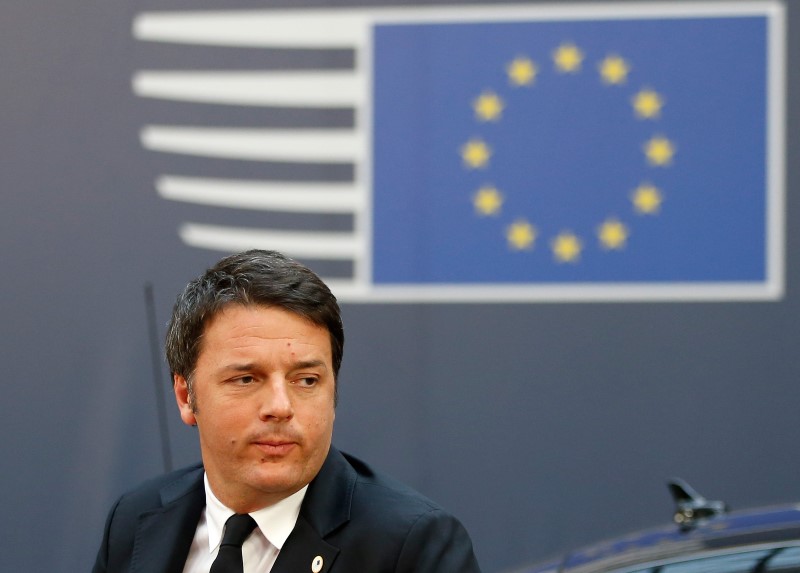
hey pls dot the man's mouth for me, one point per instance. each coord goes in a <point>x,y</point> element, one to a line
<point>275,447</point>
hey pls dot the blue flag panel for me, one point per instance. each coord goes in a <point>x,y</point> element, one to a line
<point>572,152</point>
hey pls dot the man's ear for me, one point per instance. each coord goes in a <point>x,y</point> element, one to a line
<point>181,388</point>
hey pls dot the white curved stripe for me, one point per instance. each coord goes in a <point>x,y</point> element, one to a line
<point>302,244</point>
<point>289,196</point>
<point>298,29</point>
<point>305,146</point>
<point>288,89</point>
<point>349,28</point>
<point>354,291</point>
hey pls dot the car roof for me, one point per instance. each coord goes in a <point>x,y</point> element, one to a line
<point>764,527</point>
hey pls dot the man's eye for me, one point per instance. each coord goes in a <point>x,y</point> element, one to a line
<point>307,381</point>
<point>246,379</point>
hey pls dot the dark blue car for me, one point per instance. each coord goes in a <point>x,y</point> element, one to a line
<point>704,538</point>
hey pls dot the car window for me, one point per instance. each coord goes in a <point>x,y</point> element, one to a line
<point>785,560</point>
<point>745,562</point>
<point>769,560</point>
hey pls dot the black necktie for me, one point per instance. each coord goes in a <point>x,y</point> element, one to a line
<point>229,558</point>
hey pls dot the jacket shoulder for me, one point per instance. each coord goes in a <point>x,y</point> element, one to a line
<point>382,493</point>
<point>181,488</point>
<point>395,528</point>
<point>162,490</point>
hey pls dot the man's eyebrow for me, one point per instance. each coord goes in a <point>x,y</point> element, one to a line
<point>244,367</point>
<point>309,364</point>
<point>299,365</point>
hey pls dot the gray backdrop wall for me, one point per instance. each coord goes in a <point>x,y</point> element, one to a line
<point>542,426</point>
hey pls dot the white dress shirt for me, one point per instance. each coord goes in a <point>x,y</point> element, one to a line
<point>260,550</point>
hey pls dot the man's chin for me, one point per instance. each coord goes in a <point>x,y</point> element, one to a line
<point>272,479</point>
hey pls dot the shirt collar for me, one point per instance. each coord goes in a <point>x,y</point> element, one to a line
<point>275,521</point>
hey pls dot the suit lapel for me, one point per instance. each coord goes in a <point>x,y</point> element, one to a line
<point>302,549</point>
<point>164,536</point>
<point>325,509</point>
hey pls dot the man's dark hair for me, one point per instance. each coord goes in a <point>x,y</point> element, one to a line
<point>258,278</point>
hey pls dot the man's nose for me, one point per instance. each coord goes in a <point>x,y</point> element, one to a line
<point>276,402</point>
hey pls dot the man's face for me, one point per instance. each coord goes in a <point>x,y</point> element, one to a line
<point>264,404</point>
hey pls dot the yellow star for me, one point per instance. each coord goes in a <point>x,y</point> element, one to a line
<point>612,234</point>
<point>566,247</point>
<point>568,58</point>
<point>614,70</point>
<point>475,154</point>
<point>521,235</point>
<point>521,71</point>
<point>647,104</point>
<point>487,200</point>
<point>488,106</point>
<point>647,199</point>
<point>659,151</point>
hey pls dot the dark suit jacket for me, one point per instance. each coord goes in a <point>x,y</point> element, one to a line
<point>356,520</point>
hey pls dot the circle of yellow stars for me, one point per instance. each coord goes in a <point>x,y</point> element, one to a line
<point>646,199</point>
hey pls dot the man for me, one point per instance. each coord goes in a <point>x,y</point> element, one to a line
<point>254,346</point>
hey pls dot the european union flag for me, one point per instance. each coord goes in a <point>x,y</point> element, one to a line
<point>614,151</point>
